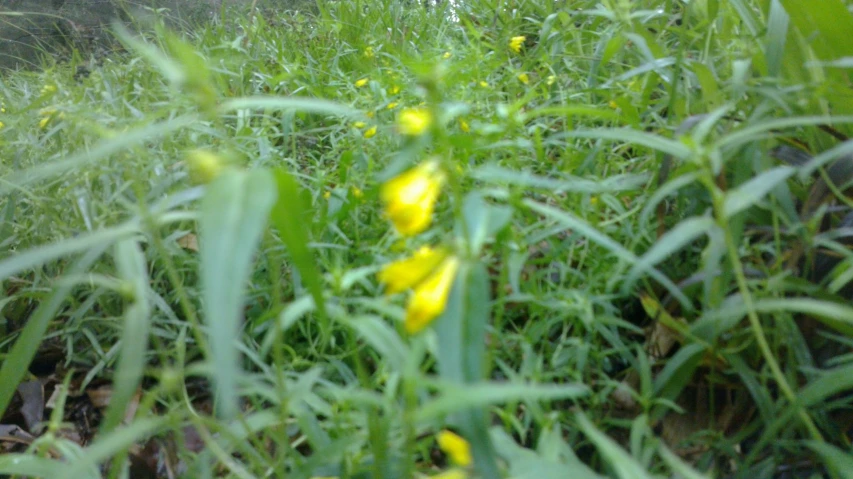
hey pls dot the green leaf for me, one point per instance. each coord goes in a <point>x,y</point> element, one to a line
<point>579,226</point>
<point>134,339</point>
<point>99,152</point>
<point>685,232</point>
<point>625,466</point>
<point>566,183</point>
<point>234,212</point>
<point>31,466</point>
<point>838,460</point>
<point>308,105</point>
<point>35,257</point>
<point>754,190</point>
<point>527,464</point>
<point>17,361</point>
<point>455,398</point>
<point>290,215</point>
<point>679,369</point>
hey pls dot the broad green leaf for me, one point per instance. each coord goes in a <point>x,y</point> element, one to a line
<point>482,220</point>
<point>234,212</point>
<point>291,215</point>
<point>132,269</point>
<point>29,465</point>
<point>17,361</point>
<point>627,135</point>
<point>754,190</point>
<point>827,384</point>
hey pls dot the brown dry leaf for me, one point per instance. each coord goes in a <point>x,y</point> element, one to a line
<point>12,435</point>
<point>32,409</point>
<point>100,398</point>
<point>188,241</point>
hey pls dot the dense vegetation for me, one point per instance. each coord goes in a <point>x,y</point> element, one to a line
<point>590,238</point>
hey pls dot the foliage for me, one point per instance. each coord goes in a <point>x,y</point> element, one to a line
<point>616,232</point>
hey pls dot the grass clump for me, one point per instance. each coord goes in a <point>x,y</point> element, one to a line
<point>385,240</point>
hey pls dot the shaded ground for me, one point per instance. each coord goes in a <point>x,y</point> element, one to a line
<point>31,28</point>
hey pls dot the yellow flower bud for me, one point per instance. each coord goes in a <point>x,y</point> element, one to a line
<point>371,132</point>
<point>523,78</point>
<point>362,82</point>
<point>359,124</point>
<point>427,303</point>
<point>407,272</point>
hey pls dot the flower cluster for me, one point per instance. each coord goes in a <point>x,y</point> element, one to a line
<point>409,202</point>
<point>515,43</point>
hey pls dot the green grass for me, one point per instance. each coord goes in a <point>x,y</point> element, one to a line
<point>644,292</point>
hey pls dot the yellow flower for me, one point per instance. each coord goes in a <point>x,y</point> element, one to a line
<point>394,90</point>
<point>392,105</point>
<point>484,84</point>
<point>359,124</point>
<point>327,194</point>
<point>356,192</point>
<point>405,273</point>
<point>371,132</point>
<point>426,303</point>
<point>204,166</point>
<point>523,78</point>
<point>463,125</point>
<point>456,448</point>
<point>43,122</point>
<point>368,52</point>
<point>410,197</point>
<point>516,42</point>
<point>414,121</point>
<point>370,114</point>
<point>362,82</point>
<point>550,80</point>
<point>446,55</point>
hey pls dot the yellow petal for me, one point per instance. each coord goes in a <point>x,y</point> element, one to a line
<point>516,43</point>
<point>456,448</point>
<point>362,82</point>
<point>426,304</point>
<point>414,121</point>
<point>405,273</point>
<point>370,133</point>
<point>410,198</point>
<point>523,78</point>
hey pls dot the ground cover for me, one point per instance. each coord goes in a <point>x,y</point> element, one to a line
<point>514,239</point>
